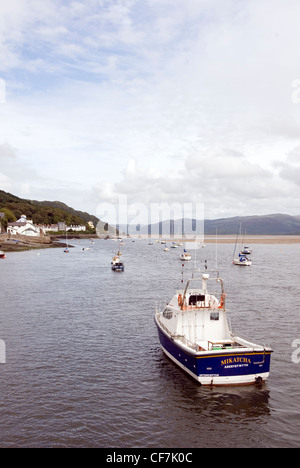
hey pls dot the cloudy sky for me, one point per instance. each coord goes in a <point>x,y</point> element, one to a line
<point>159,100</point>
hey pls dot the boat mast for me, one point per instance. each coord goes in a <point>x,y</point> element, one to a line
<point>236,241</point>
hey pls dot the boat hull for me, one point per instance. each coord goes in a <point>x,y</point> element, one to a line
<point>242,263</point>
<point>226,367</point>
<point>118,268</point>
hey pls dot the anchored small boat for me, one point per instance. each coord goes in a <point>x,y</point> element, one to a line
<point>185,256</point>
<point>246,250</point>
<point>194,333</point>
<point>2,255</point>
<point>117,264</point>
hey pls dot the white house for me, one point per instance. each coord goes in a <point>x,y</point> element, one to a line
<point>81,228</point>
<point>24,227</point>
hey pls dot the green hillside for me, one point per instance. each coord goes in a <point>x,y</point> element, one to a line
<point>41,212</point>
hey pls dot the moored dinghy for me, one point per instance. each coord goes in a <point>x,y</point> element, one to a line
<point>194,333</point>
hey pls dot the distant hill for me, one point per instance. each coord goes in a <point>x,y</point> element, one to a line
<point>274,224</point>
<point>52,212</point>
<point>41,212</point>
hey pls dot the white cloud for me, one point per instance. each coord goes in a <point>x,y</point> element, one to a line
<point>196,94</point>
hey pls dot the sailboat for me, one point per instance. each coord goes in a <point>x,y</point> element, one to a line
<point>66,250</point>
<point>241,259</point>
<point>246,250</point>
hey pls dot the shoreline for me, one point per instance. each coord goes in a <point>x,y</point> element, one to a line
<point>254,239</point>
<point>21,244</point>
<point>23,247</point>
<point>225,239</point>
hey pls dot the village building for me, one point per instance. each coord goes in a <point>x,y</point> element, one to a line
<point>24,227</point>
<point>62,227</point>
<point>79,228</point>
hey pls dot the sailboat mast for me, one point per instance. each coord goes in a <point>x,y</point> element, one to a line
<point>236,241</point>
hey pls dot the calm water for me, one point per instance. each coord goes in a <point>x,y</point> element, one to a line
<point>84,367</point>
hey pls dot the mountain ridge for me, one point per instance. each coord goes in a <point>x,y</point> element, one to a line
<point>51,212</point>
<point>272,224</point>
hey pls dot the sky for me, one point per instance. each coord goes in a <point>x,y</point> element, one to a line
<point>159,101</point>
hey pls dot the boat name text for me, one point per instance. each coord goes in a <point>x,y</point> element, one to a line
<point>236,360</point>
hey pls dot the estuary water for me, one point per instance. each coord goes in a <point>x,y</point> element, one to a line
<point>83,363</point>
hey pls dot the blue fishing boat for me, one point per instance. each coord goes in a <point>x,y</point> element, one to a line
<point>194,333</point>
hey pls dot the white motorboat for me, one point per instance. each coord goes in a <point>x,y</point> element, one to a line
<point>2,255</point>
<point>194,333</point>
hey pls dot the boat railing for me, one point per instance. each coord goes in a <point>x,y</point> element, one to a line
<point>176,336</point>
<point>186,342</point>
